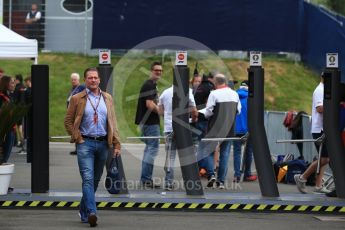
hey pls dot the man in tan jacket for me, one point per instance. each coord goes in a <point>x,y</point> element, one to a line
<point>91,122</point>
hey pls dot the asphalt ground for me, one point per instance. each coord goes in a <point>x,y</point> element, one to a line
<point>68,219</point>
<point>64,177</point>
<point>64,174</point>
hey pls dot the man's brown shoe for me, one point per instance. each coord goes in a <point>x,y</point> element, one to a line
<point>92,219</point>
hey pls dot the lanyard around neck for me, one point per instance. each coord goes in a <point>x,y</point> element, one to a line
<point>95,115</point>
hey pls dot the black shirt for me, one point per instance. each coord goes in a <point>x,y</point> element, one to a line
<point>200,96</point>
<point>202,92</point>
<point>144,116</point>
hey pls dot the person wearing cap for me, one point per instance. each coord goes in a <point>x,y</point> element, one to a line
<point>317,132</point>
<point>222,105</point>
<point>241,129</point>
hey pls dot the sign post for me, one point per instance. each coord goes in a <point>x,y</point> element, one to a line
<point>332,60</point>
<point>105,70</point>
<point>181,126</point>
<point>331,122</point>
<point>257,133</point>
<point>104,57</point>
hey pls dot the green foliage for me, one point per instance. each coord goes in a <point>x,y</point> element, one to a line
<point>337,6</point>
<point>10,113</point>
<point>288,85</point>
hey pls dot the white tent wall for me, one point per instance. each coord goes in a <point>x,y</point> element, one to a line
<point>15,46</point>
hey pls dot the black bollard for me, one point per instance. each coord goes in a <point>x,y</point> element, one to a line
<point>262,156</point>
<point>40,129</point>
<point>182,132</point>
<point>106,75</point>
<point>331,126</point>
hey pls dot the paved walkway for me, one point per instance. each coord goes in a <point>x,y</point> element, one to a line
<point>65,189</point>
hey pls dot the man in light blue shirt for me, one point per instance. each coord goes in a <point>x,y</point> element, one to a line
<point>90,120</point>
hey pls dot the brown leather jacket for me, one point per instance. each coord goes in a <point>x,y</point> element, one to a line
<point>75,113</point>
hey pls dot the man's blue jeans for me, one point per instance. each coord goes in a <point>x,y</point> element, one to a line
<point>150,151</point>
<point>248,158</point>
<point>92,156</point>
<point>207,152</point>
<point>202,127</point>
<point>170,148</point>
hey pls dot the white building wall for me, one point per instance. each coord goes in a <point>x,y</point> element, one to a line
<point>66,31</point>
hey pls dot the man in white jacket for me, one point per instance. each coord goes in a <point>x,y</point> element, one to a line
<point>222,105</point>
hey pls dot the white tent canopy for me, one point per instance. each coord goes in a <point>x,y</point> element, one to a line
<point>13,45</point>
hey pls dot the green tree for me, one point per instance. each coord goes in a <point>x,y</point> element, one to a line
<point>337,6</point>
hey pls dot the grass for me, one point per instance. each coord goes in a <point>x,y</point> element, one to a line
<point>288,85</point>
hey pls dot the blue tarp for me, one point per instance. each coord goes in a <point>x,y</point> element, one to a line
<point>323,33</point>
<point>265,25</point>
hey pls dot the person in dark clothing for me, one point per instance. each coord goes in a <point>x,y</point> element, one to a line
<point>19,93</point>
<point>32,20</point>
<point>7,86</point>
<point>296,129</point>
<point>28,119</point>
<point>148,120</point>
<point>201,95</point>
<point>76,88</point>
<point>196,80</point>
<point>203,91</point>
<point>19,90</point>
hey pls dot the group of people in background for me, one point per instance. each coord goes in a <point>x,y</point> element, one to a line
<point>212,104</point>
<point>15,91</point>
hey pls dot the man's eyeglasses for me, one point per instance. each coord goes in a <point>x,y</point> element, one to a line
<point>158,70</point>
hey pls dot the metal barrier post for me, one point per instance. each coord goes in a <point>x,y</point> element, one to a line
<point>40,129</point>
<point>105,70</point>
<point>331,126</point>
<point>258,138</point>
<point>181,128</point>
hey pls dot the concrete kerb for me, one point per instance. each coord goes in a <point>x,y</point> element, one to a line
<point>178,201</point>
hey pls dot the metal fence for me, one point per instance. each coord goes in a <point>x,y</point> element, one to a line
<point>15,12</point>
<point>65,26</point>
<point>275,130</point>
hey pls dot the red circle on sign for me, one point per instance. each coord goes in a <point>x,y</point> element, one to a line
<point>105,56</point>
<point>180,56</point>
